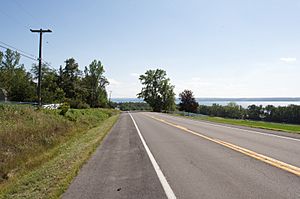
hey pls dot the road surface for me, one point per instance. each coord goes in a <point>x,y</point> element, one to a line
<point>151,155</point>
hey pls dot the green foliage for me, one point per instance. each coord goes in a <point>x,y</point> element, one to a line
<point>71,78</point>
<point>287,114</point>
<point>14,79</point>
<point>292,128</point>
<point>133,106</point>
<point>66,84</point>
<point>26,133</point>
<point>22,88</point>
<point>79,104</point>
<point>1,57</point>
<point>157,90</point>
<point>188,102</point>
<point>59,165</point>
<point>94,82</point>
<point>64,108</point>
<point>82,92</point>
<point>51,92</point>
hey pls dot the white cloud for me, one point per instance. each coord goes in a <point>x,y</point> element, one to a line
<point>135,74</point>
<point>113,82</point>
<point>122,88</point>
<point>288,59</point>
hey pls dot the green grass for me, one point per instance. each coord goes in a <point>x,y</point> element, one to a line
<point>52,178</point>
<point>41,151</point>
<point>290,128</point>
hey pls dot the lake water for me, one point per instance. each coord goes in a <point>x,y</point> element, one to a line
<point>247,103</point>
<point>243,103</point>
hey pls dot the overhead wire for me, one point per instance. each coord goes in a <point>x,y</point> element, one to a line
<point>25,54</point>
<point>19,50</point>
<point>22,54</point>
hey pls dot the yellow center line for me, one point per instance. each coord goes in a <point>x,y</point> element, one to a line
<point>279,164</point>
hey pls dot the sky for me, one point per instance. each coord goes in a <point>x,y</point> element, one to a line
<point>215,48</point>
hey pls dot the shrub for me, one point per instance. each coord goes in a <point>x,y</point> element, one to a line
<point>64,109</point>
<point>78,104</point>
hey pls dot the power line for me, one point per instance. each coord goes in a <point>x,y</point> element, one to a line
<point>32,58</point>
<point>10,46</point>
<point>25,54</point>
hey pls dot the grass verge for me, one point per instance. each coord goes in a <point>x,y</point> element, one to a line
<point>32,140</point>
<point>52,178</point>
<point>289,128</point>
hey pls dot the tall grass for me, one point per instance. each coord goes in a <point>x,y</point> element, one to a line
<point>26,134</point>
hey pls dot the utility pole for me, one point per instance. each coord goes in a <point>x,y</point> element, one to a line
<point>39,88</point>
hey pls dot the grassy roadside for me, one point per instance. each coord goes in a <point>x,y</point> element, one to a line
<point>47,173</point>
<point>289,128</point>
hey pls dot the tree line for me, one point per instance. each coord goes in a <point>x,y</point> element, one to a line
<point>132,106</point>
<point>159,94</point>
<point>282,114</point>
<point>80,89</point>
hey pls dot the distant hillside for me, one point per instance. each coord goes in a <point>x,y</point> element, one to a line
<point>265,99</point>
<point>288,99</point>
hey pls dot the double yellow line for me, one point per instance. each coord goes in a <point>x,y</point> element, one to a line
<point>279,164</point>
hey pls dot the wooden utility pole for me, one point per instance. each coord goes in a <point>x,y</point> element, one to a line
<point>39,88</point>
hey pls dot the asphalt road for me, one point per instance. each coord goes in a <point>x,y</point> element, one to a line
<point>195,165</point>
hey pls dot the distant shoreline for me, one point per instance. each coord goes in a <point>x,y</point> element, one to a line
<point>244,102</point>
<point>264,99</point>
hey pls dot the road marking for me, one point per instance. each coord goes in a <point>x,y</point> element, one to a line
<point>279,164</point>
<point>168,190</point>
<point>251,131</point>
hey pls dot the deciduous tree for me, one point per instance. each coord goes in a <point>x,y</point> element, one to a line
<point>188,102</point>
<point>95,83</point>
<point>51,92</point>
<point>157,90</point>
<point>14,78</point>
<point>70,78</point>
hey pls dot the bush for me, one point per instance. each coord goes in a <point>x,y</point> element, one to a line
<point>78,104</point>
<point>132,106</point>
<point>64,109</point>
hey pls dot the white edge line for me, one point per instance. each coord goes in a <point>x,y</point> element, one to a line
<point>168,190</point>
<point>251,131</point>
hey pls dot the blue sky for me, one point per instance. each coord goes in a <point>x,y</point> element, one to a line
<point>215,48</point>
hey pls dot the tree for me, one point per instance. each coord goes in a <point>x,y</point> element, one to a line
<point>14,79</point>
<point>70,79</point>
<point>95,83</point>
<point>188,102</point>
<point>9,62</point>
<point>1,57</point>
<point>233,110</point>
<point>22,88</point>
<point>157,90</point>
<point>51,92</point>
<point>254,112</point>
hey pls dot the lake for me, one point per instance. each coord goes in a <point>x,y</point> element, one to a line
<point>244,102</point>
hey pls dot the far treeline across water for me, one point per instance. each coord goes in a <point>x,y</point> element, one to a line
<point>270,113</point>
<point>158,93</point>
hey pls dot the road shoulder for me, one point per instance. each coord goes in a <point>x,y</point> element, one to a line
<point>120,168</point>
